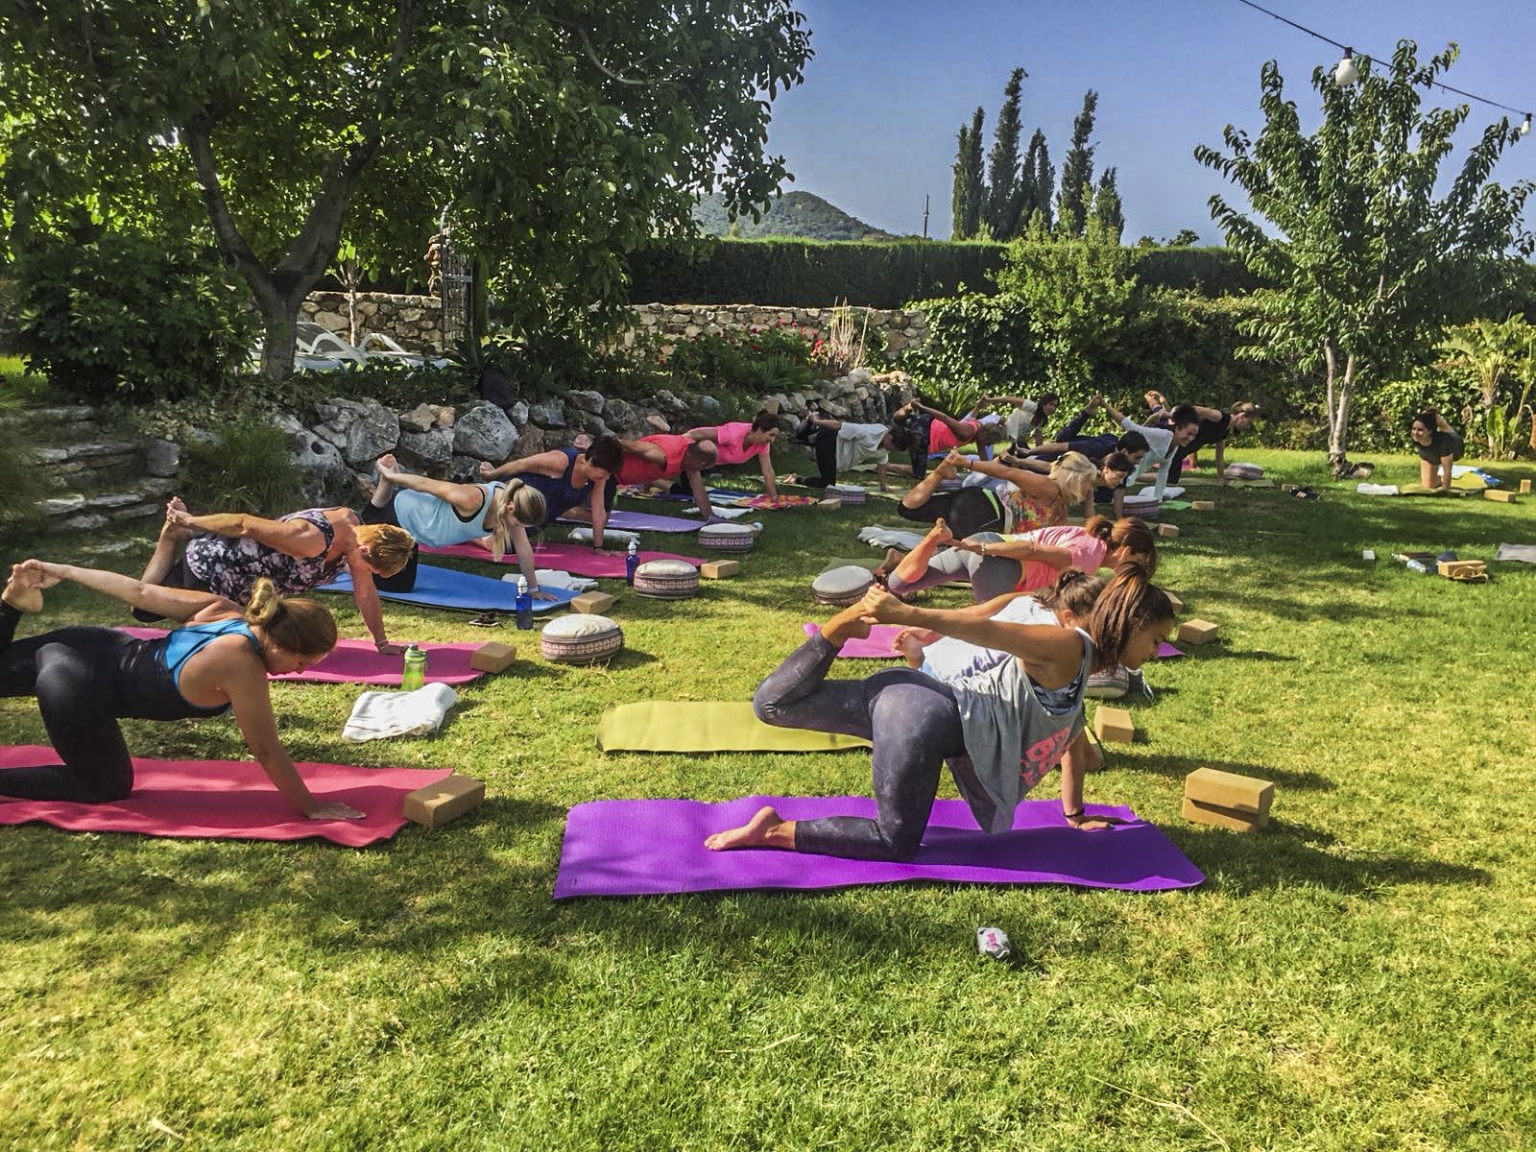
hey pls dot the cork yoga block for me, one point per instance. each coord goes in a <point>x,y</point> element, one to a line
<point>1525,487</point>
<point>1227,800</point>
<point>1500,495</point>
<point>1113,725</point>
<point>1197,632</point>
<point>592,603</point>
<point>446,800</point>
<point>1178,605</point>
<point>1203,505</point>
<point>1168,530</point>
<point>719,569</point>
<point>492,657</point>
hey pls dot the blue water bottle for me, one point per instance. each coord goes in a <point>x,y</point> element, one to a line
<point>631,562</point>
<point>524,604</point>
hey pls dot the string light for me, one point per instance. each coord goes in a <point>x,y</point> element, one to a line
<point>1346,73</point>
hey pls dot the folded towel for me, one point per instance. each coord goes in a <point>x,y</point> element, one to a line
<point>611,536</point>
<point>550,578</point>
<point>1376,489</point>
<point>721,512</point>
<point>379,715</point>
<point>890,537</point>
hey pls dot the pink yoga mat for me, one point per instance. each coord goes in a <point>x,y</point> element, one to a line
<point>576,559</point>
<point>227,800</point>
<point>878,645</point>
<point>357,662</point>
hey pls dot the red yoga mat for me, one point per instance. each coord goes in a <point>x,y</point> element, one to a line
<point>227,800</point>
<point>358,662</point>
<point>576,559</point>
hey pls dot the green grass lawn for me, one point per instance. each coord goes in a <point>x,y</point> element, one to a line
<point>1360,975</point>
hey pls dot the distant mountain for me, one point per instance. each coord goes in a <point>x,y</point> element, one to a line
<point>800,214</point>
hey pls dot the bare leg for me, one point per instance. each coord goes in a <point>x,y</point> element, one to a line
<point>767,829</point>
<point>172,536</point>
<point>921,492</point>
<point>384,490</point>
<point>914,565</point>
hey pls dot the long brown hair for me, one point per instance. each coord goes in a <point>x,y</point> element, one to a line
<point>1075,592</point>
<point>1128,532</point>
<point>1130,602</point>
<point>299,626</point>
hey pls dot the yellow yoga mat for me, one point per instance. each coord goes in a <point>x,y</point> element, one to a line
<point>707,726</point>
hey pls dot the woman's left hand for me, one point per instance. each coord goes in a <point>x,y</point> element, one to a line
<point>336,811</point>
<point>881,605</point>
<point>385,648</point>
<point>540,594</point>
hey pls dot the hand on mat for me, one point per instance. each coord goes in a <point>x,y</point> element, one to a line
<point>337,811</point>
<point>540,594</point>
<point>1085,823</point>
<point>385,648</point>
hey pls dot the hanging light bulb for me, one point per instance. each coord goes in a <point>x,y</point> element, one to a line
<point>1525,129</point>
<point>1346,73</point>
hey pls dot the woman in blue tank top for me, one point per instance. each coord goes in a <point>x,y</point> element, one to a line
<point>567,477</point>
<point>87,679</point>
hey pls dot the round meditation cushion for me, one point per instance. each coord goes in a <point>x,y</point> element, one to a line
<point>1143,505</point>
<point>842,586</point>
<point>579,639</point>
<point>848,493</point>
<point>1243,471</point>
<point>667,579</point>
<point>727,537</point>
<point>1111,684</point>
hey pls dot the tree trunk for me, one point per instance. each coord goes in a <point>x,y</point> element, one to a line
<point>1340,393</point>
<point>281,316</point>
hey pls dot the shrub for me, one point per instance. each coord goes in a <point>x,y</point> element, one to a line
<point>130,316</point>
<point>248,467</point>
<point>984,342</point>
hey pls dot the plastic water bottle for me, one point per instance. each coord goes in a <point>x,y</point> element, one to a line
<point>524,604</point>
<point>994,942</point>
<point>1418,566</point>
<point>631,562</point>
<point>415,674</point>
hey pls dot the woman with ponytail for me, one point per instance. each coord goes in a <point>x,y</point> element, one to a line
<point>296,552</point>
<point>995,564</point>
<point>567,478</point>
<point>1001,730</point>
<point>87,679</point>
<point>440,513</point>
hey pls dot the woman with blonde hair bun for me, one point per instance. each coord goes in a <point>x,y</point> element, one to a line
<point>296,552</point>
<point>440,513</point>
<point>87,679</point>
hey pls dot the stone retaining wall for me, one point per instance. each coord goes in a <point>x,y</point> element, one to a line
<point>413,322</point>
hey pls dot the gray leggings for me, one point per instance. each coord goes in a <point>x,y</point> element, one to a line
<point>989,576</point>
<point>914,723</point>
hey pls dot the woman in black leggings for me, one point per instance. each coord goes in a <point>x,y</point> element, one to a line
<point>1001,730</point>
<point>87,679</point>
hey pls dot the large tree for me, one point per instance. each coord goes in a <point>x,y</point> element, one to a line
<point>1107,209</point>
<point>1039,182</point>
<point>1004,190</point>
<point>1369,263</point>
<point>561,133</point>
<point>1072,201</point>
<point>970,191</point>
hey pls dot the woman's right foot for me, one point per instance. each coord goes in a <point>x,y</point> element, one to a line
<point>20,593</point>
<point>756,833</point>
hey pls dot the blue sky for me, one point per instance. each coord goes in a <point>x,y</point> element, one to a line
<point>873,127</point>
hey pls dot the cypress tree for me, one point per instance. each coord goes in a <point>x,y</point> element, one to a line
<point>1004,196</point>
<point>1039,180</point>
<point>1072,200</point>
<point>970,191</point>
<point>1107,209</point>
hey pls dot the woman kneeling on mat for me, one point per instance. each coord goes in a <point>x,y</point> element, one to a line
<point>996,564</point>
<point>87,679</point>
<point>1439,447</point>
<point>296,552</point>
<point>1001,730</point>
<point>440,514</point>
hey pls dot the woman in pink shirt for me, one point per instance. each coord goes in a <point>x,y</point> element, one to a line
<point>739,441</point>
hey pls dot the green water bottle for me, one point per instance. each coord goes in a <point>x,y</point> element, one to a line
<point>415,674</point>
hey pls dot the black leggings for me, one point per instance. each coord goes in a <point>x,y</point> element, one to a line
<point>914,722</point>
<point>84,680</point>
<point>967,511</point>
<point>824,444</point>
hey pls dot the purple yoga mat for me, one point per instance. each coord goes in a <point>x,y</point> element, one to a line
<point>876,647</point>
<point>358,662</point>
<point>655,847</point>
<point>576,559</point>
<point>644,522</point>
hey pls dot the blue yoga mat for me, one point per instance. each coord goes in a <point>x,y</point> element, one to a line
<point>450,588</point>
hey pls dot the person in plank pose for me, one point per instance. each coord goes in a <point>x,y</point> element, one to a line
<point>740,441</point>
<point>87,679</point>
<point>567,478</point>
<point>1001,730</point>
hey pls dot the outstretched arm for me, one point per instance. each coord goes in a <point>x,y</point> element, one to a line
<point>649,452</point>
<point>251,700</point>
<point>544,463</point>
<point>770,484</point>
<point>174,603</point>
<point>366,595</point>
<point>1027,482</point>
<point>291,537</point>
<point>1057,558</point>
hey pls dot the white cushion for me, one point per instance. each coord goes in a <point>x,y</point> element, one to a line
<point>666,568</point>
<point>577,626</point>
<point>729,529</point>
<point>611,537</point>
<point>846,488</point>
<point>848,580</point>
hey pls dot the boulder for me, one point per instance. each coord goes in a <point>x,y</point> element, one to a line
<point>710,406</point>
<point>485,433</point>
<point>548,414</point>
<point>327,479</point>
<point>419,419</point>
<point>162,458</point>
<point>464,470</point>
<point>625,419</point>
<point>585,400</point>
<point>518,413</point>
<point>669,405</point>
<point>362,429</point>
<point>425,451</point>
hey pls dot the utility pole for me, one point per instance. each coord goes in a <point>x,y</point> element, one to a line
<point>925,216</point>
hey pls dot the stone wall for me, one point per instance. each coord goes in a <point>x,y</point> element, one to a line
<point>413,322</point>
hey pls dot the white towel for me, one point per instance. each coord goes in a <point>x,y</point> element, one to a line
<point>549,578</point>
<point>1172,492</point>
<point>379,715</point>
<point>722,513</point>
<point>611,536</point>
<point>890,537</point>
<point>1376,489</point>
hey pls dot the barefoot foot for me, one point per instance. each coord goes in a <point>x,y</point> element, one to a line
<point>848,624</point>
<point>21,592</point>
<point>765,830</point>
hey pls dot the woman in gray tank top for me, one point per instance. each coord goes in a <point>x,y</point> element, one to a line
<point>1001,730</point>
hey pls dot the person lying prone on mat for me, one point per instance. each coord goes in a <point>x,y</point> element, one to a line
<point>296,552</point>
<point>87,679</point>
<point>569,477</point>
<point>440,513</point>
<point>1001,730</point>
<point>737,442</point>
<point>995,564</point>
